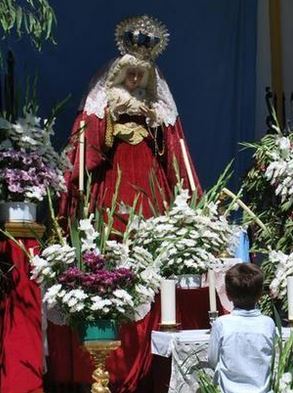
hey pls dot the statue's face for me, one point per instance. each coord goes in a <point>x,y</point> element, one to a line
<point>133,78</point>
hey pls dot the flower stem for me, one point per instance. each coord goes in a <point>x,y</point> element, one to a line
<point>245,208</point>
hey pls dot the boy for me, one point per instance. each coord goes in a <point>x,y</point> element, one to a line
<point>242,343</point>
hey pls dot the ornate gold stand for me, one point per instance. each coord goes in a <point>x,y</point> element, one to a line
<point>99,350</point>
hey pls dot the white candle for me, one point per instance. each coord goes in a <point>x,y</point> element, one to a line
<point>212,290</point>
<point>290,297</point>
<point>168,302</point>
<point>187,165</point>
<point>81,156</point>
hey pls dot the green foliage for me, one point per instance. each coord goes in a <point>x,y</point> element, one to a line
<point>283,363</point>
<point>34,18</point>
<point>206,383</point>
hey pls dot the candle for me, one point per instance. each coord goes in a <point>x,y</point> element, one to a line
<point>81,156</point>
<point>187,165</point>
<point>212,290</point>
<point>290,297</point>
<point>168,302</point>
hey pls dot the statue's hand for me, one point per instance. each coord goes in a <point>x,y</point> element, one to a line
<point>149,113</point>
<point>122,106</point>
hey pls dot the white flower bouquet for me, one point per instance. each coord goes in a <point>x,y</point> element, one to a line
<point>187,239</point>
<point>88,277</point>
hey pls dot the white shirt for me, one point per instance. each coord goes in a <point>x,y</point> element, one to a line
<point>240,349</point>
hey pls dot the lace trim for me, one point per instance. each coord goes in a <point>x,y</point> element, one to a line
<point>96,100</point>
<point>165,107</point>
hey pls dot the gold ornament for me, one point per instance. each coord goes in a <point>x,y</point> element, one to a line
<point>99,351</point>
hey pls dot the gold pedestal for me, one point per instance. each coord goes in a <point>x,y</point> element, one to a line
<point>99,350</point>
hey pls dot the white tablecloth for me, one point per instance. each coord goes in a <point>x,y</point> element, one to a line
<point>162,342</point>
<point>188,348</point>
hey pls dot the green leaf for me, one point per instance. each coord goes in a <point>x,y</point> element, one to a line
<point>75,240</point>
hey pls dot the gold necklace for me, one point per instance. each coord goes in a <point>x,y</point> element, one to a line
<point>155,139</point>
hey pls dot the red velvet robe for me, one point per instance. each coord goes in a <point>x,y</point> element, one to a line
<point>136,162</point>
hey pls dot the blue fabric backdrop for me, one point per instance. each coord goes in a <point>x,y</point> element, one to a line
<point>209,65</point>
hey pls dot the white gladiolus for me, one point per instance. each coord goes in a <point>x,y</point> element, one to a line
<point>86,224</point>
<point>283,268</point>
<point>280,169</point>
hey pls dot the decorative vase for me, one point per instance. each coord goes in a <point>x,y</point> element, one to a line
<point>189,281</point>
<point>98,330</point>
<point>18,212</point>
<point>99,338</point>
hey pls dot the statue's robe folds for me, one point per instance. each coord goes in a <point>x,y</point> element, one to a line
<point>137,162</point>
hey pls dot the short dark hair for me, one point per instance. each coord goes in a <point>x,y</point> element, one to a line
<point>244,285</point>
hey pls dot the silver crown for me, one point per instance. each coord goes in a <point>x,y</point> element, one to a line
<point>142,36</point>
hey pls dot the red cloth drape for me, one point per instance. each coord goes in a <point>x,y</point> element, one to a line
<point>21,352</point>
<point>130,365</point>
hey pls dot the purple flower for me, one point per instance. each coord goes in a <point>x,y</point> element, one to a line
<point>15,187</point>
<point>32,172</point>
<point>71,277</point>
<point>93,260</point>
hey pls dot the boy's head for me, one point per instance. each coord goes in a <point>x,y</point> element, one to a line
<point>244,284</point>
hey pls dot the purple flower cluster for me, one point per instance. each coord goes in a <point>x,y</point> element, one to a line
<point>22,172</point>
<point>93,260</point>
<point>96,278</point>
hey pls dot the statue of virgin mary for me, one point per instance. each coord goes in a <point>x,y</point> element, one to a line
<point>131,123</point>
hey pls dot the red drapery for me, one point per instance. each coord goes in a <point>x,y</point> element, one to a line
<point>21,352</point>
<point>130,365</point>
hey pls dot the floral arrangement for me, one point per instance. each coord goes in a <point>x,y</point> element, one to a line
<point>268,186</point>
<point>187,239</point>
<point>87,276</point>
<point>29,163</point>
<point>268,190</point>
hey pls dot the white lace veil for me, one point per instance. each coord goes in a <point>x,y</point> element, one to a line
<point>95,101</point>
